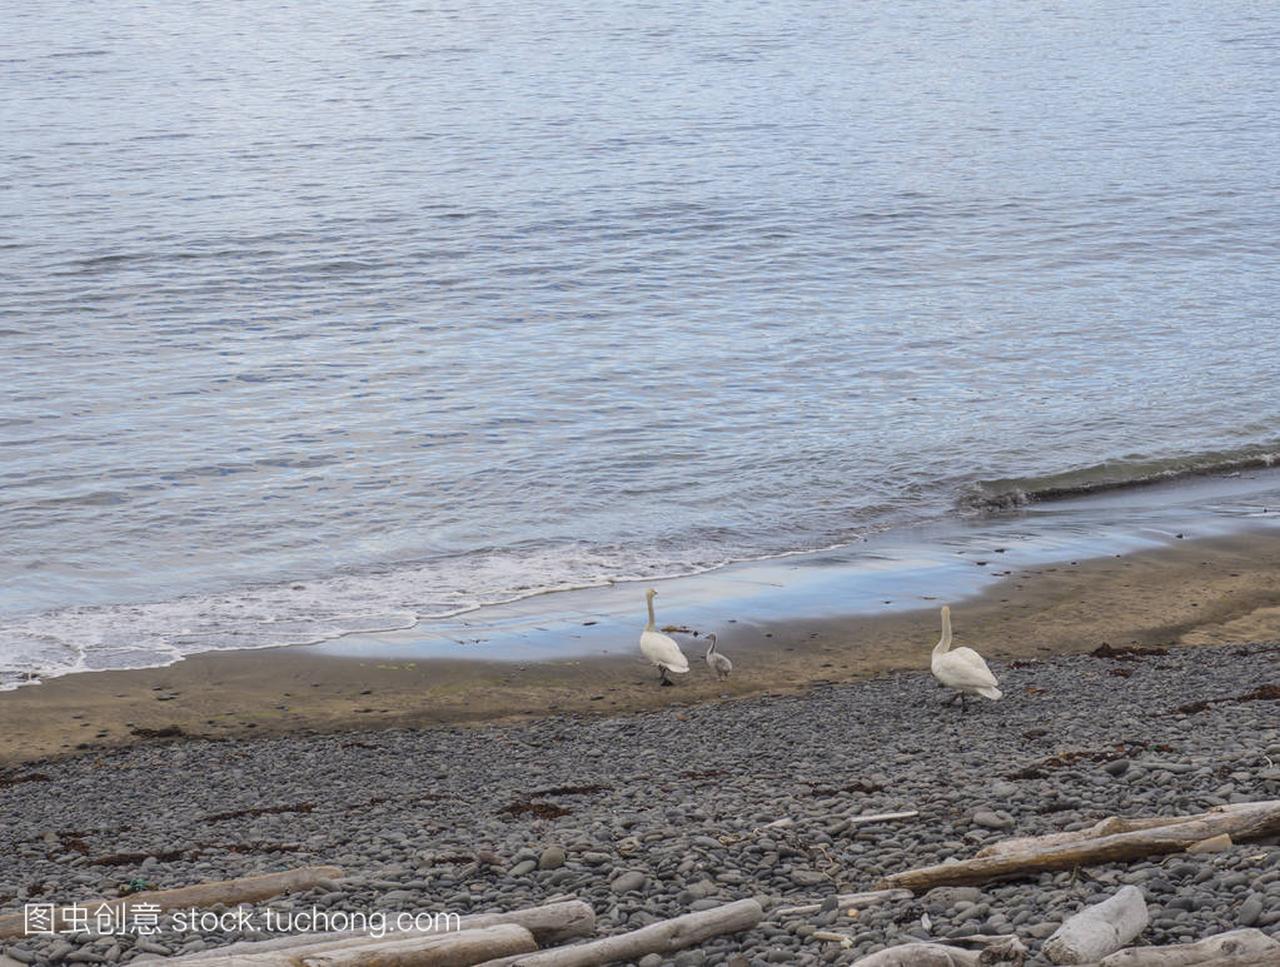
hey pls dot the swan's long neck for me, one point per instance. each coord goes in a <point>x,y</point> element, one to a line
<point>944,643</point>
<point>652,625</point>
<point>711,647</point>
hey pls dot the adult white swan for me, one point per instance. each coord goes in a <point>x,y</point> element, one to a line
<point>962,669</point>
<point>659,649</point>
<point>718,663</point>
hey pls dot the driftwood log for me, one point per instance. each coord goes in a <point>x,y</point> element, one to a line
<point>1000,949</point>
<point>666,936</point>
<point>1099,930</point>
<point>549,924</point>
<point>1214,844</point>
<point>1244,946</point>
<point>1265,959</point>
<point>481,941</point>
<point>459,948</point>
<point>1108,827</point>
<point>249,889</point>
<point>844,901</point>
<point>1112,840</point>
<point>1003,948</point>
<point>920,955</point>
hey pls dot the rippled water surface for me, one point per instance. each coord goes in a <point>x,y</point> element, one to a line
<point>326,317</point>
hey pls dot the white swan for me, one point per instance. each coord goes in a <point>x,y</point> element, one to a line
<point>717,662</point>
<point>659,649</point>
<point>962,669</point>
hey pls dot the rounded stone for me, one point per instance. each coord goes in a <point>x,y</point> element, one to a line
<point>552,858</point>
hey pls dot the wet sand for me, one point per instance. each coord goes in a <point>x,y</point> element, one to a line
<point>1195,593</point>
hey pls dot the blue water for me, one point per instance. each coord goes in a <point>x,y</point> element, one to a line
<point>319,318</point>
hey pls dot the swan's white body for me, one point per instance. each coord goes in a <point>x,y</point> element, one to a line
<point>659,649</point>
<point>962,668</point>
<point>717,662</point>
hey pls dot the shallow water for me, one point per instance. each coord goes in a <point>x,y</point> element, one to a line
<point>907,569</point>
<point>317,319</point>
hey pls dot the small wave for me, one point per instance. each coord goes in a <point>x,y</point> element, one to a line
<point>46,645</point>
<point>1012,492</point>
<point>149,634</point>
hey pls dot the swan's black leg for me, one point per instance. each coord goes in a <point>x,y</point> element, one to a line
<point>662,676</point>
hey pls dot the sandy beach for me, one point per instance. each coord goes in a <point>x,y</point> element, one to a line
<point>1190,594</point>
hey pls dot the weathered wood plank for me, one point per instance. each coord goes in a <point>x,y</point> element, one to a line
<point>249,889</point>
<point>1242,822</point>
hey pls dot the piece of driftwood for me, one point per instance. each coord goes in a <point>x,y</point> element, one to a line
<point>1136,839</point>
<point>1108,827</point>
<point>249,889</point>
<point>550,924</point>
<point>1002,948</point>
<point>1214,844</point>
<point>999,949</point>
<point>1244,943</point>
<point>833,936</point>
<point>1099,930</point>
<point>453,949</point>
<point>844,901</point>
<point>920,955</point>
<point>666,936</point>
<point>1265,959</point>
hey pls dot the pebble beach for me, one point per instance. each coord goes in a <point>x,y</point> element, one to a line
<point>649,815</point>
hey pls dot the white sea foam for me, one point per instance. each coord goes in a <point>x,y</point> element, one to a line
<point>147,634</point>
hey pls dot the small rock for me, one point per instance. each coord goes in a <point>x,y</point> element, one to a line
<point>628,882</point>
<point>701,889</point>
<point>1250,910</point>
<point>808,877</point>
<point>990,819</point>
<point>946,896</point>
<point>552,858</point>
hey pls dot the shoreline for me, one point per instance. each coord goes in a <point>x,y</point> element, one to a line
<point>1190,593</point>
<point>892,571</point>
